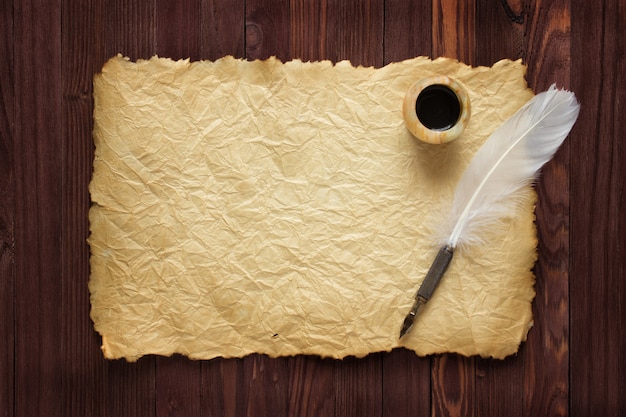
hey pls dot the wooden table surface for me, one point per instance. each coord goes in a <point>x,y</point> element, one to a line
<point>574,361</point>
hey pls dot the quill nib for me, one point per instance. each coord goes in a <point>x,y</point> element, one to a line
<point>410,318</point>
<point>426,290</point>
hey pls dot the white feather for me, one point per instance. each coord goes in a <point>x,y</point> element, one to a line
<point>509,160</point>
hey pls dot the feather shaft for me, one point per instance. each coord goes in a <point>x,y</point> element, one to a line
<point>509,160</point>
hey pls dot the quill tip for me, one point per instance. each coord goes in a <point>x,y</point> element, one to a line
<point>406,326</point>
<point>410,318</point>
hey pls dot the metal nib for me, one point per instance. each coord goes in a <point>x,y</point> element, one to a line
<point>410,318</point>
<point>427,288</point>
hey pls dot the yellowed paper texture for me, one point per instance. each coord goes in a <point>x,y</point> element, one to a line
<point>284,209</point>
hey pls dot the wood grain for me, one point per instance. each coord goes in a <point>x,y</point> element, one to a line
<point>130,28</point>
<point>38,151</point>
<point>454,29</point>
<point>84,367</point>
<point>7,213</point>
<point>224,389</point>
<point>310,387</point>
<point>355,31</point>
<point>406,384</point>
<point>408,29</point>
<point>453,388</point>
<point>267,29</point>
<point>177,29</point>
<point>222,29</point>
<point>308,29</point>
<point>129,388</point>
<point>598,236</point>
<point>178,387</point>
<point>358,387</point>
<point>547,362</point>
<point>500,31</point>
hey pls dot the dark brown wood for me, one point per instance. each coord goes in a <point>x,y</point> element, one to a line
<point>358,386</point>
<point>129,28</point>
<point>453,386</point>
<point>178,387</point>
<point>574,361</point>
<point>267,29</point>
<point>598,236</point>
<point>7,212</point>
<point>266,381</point>
<point>308,29</point>
<point>406,384</point>
<point>408,29</point>
<point>38,150</point>
<point>224,389</point>
<point>547,362</point>
<point>500,30</point>
<point>311,382</point>
<point>178,29</point>
<point>453,29</point>
<point>128,388</point>
<point>222,29</point>
<point>83,363</point>
<point>355,31</point>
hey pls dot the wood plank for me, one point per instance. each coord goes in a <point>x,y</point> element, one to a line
<point>453,389</point>
<point>7,212</point>
<point>547,359</point>
<point>408,29</point>
<point>499,386</point>
<point>38,227</point>
<point>178,387</point>
<point>82,56</point>
<point>224,390</point>
<point>500,31</point>
<point>358,386</point>
<point>598,235</point>
<point>266,381</point>
<point>222,29</point>
<point>178,29</point>
<point>308,29</point>
<point>267,29</point>
<point>355,31</point>
<point>130,28</point>
<point>406,384</point>
<point>261,386</point>
<point>310,387</point>
<point>453,29</point>
<point>130,389</point>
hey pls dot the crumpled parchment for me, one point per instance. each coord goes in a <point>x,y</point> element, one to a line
<point>284,208</point>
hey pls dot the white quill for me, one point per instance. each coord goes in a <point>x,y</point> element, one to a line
<point>509,160</point>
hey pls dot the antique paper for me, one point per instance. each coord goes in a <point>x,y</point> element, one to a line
<point>284,208</point>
